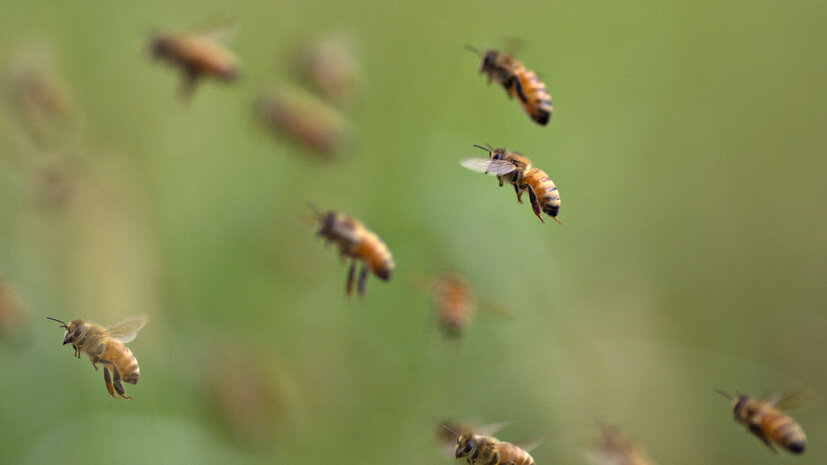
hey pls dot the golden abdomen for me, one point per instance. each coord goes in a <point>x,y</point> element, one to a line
<point>117,353</point>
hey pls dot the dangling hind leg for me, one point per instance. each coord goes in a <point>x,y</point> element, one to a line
<point>117,382</point>
<point>363,279</point>
<point>108,380</point>
<point>351,274</point>
<point>535,205</point>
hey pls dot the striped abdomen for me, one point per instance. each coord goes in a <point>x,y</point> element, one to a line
<point>374,253</point>
<point>507,453</point>
<point>547,195</point>
<point>782,430</point>
<point>533,96</point>
<point>122,357</point>
<point>454,305</point>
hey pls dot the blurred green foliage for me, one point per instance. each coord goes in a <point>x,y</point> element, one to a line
<point>687,143</point>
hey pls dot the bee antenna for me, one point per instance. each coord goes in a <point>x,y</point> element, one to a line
<point>55,319</point>
<point>315,209</point>
<point>451,431</point>
<point>481,147</point>
<point>723,393</point>
<point>473,50</point>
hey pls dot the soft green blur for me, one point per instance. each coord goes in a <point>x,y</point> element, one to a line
<point>688,146</point>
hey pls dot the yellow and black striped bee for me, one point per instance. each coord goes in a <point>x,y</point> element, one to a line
<point>358,244</point>
<point>766,421</point>
<point>514,168</point>
<point>487,450</point>
<point>105,345</point>
<point>518,83</point>
<point>615,448</point>
<point>198,55</point>
<point>455,304</point>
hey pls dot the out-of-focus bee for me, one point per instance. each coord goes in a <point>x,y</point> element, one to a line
<point>615,448</point>
<point>307,121</point>
<point>764,419</point>
<point>518,82</point>
<point>331,68</point>
<point>12,312</point>
<point>454,303</point>
<point>105,345</point>
<point>38,92</point>
<point>357,243</point>
<point>479,449</point>
<point>514,168</point>
<point>198,55</point>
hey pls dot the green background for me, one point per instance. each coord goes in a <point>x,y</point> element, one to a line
<point>688,146</point>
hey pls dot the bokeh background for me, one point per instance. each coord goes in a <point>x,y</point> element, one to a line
<point>687,143</point>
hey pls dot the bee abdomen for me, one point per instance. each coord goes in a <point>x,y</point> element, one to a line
<point>376,256</point>
<point>785,432</point>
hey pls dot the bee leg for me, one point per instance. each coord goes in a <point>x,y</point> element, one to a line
<point>188,83</point>
<point>535,205</point>
<point>350,275</point>
<point>108,380</point>
<point>363,278</point>
<point>517,188</point>
<point>117,381</point>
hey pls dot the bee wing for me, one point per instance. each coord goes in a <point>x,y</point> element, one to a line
<point>126,329</point>
<point>488,166</point>
<point>529,445</point>
<point>793,401</point>
<point>492,429</point>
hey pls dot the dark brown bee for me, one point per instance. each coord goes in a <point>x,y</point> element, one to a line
<point>357,243</point>
<point>487,450</point>
<point>514,168</point>
<point>615,448</point>
<point>198,56</point>
<point>518,83</point>
<point>313,125</point>
<point>763,419</point>
<point>105,345</point>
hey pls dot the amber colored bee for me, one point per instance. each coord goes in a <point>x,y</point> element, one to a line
<point>514,168</point>
<point>308,122</point>
<point>487,450</point>
<point>518,82</point>
<point>331,68</point>
<point>763,419</point>
<point>12,312</point>
<point>455,304</point>
<point>615,448</point>
<point>198,55</point>
<point>39,93</point>
<point>357,243</point>
<point>105,344</point>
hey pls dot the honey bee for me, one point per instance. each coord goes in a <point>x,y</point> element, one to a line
<point>487,450</point>
<point>614,448</point>
<point>357,243</point>
<point>518,82</point>
<point>454,302</point>
<point>514,168</point>
<point>105,344</point>
<point>766,421</point>
<point>198,55</point>
<point>308,122</point>
<point>332,69</point>
<point>40,95</point>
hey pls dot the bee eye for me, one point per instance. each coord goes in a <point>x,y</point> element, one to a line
<point>468,447</point>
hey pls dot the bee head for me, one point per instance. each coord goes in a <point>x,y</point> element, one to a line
<point>488,61</point>
<point>495,154</point>
<point>466,444</point>
<point>742,409</point>
<point>160,46</point>
<point>74,330</point>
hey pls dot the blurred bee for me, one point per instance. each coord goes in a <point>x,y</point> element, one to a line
<point>614,448</point>
<point>105,344</point>
<point>454,303</point>
<point>12,311</point>
<point>488,450</point>
<point>514,168</point>
<point>766,421</point>
<point>39,94</point>
<point>315,126</point>
<point>518,82</point>
<point>198,55</point>
<point>357,243</point>
<point>332,69</point>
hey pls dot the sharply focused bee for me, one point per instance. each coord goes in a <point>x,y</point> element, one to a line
<point>518,82</point>
<point>105,345</point>
<point>614,448</point>
<point>487,450</point>
<point>516,169</point>
<point>305,120</point>
<point>198,55</point>
<point>357,243</point>
<point>765,420</point>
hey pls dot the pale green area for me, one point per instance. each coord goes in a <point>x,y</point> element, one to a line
<point>688,145</point>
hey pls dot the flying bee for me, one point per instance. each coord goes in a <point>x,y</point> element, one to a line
<point>514,168</point>
<point>518,82</point>
<point>454,301</point>
<point>766,421</point>
<point>198,56</point>
<point>357,243</point>
<point>331,67</point>
<point>488,450</point>
<point>615,448</point>
<point>105,345</point>
<point>307,121</point>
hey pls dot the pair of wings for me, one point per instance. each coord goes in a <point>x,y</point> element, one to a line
<point>488,165</point>
<point>126,329</point>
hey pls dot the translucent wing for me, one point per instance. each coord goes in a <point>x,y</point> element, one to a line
<point>793,401</point>
<point>126,329</point>
<point>492,429</point>
<point>488,166</point>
